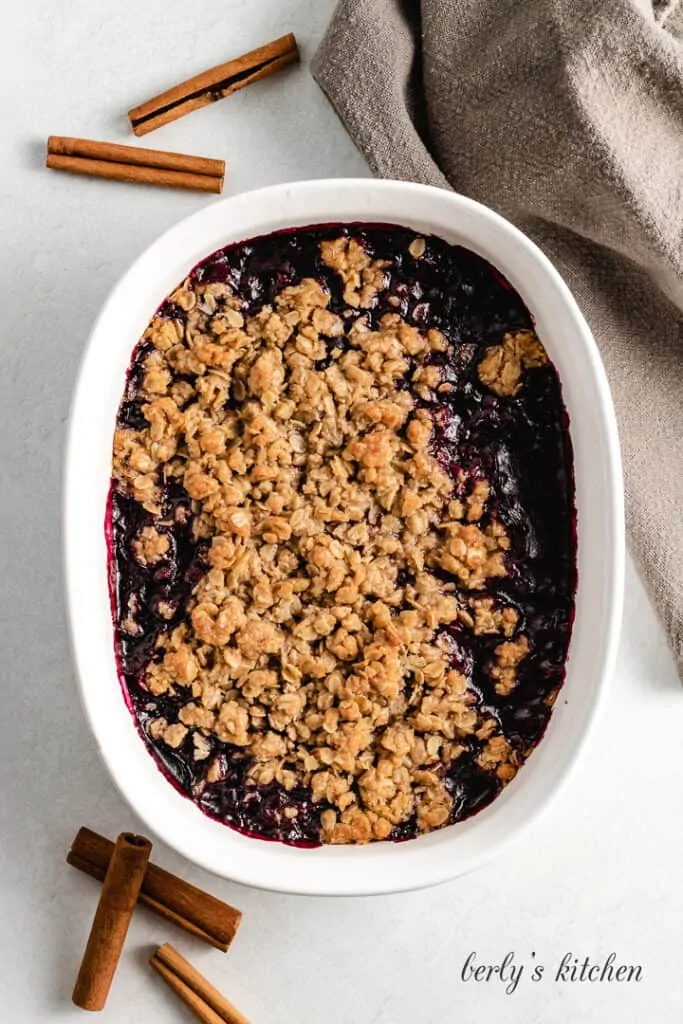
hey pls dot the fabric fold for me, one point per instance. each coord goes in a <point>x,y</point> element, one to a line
<point>566,116</point>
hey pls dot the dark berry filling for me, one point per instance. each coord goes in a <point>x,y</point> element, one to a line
<point>520,445</point>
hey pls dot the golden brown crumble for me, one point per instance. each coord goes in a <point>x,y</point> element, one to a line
<point>150,546</point>
<point>483,617</point>
<point>508,656</point>
<point>362,276</point>
<point>312,642</point>
<point>476,501</point>
<point>502,366</point>
<point>159,729</point>
<point>499,756</point>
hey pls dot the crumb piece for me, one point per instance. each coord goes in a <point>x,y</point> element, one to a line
<point>156,728</point>
<point>489,619</point>
<point>502,366</point>
<point>362,276</point>
<point>165,609</point>
<point>173,735</point>
<point>496,751</point>
<point>509,655</point>
<point>150,546</point>
<point>473,555</point>
<point>201,746</point>
<point>130,627</point>
<point>476,501</point>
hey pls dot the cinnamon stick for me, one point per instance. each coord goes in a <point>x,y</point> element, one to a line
<point>110,925</point>
<point>131,173</point>
<point>202,1010</point>
<point>172,898</point>
<point>210,1005</point>
<point>136,155</point>
<point>127,163</point>
<point>214,84</point>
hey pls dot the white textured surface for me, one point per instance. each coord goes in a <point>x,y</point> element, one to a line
<point>600,872</point>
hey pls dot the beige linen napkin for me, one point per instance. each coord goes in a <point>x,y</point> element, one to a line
<point>566,116</point>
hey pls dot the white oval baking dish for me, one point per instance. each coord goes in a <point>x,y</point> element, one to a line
<point>379,867</point>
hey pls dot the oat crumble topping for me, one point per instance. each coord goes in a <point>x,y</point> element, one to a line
<point>503,365</point>
<point>337,548</point>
